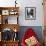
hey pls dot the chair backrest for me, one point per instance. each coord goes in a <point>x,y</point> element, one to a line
<point>29,32</point>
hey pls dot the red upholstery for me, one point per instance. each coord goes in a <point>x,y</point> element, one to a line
<point>29,33</point>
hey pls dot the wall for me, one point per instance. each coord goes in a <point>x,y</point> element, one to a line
<point>39,13</point>
<point>27,3</point>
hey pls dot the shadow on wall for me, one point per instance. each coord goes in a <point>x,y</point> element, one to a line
<point>37,29</point>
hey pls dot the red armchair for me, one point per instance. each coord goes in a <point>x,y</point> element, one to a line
<point>28,34</point>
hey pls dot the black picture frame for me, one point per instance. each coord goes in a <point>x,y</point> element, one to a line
<point>30,13</point>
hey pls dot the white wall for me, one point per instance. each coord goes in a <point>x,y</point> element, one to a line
<point>27,3</point>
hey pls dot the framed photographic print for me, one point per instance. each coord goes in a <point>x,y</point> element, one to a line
<point>30,13</point>
<point>5,12</point>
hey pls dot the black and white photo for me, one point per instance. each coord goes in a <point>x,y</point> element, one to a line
<point>30,13</point>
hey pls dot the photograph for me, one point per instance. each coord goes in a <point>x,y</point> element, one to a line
<point>30,13</point>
